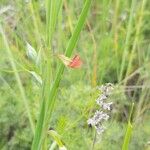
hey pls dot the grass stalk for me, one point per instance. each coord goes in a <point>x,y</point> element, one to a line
<point>52,10</point>
<point>35,23</point>
<point>45,113</point>
<point>138,27</point>
<point>69,16</point>
<point>127,40</point>
<point>51,17</point>
<point>94,72</point>
<point>128,131</point>
<point>115,30</point>
<point>13,65</point>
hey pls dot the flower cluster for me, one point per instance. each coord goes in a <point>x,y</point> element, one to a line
<point>102,115</point>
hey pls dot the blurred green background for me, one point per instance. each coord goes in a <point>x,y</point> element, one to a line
<point>114,46</point>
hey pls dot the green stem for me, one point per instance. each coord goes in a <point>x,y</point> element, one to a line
<point>48,104</point>
<point>127,40</point>
<point>128,131</point>
<point>138,27</point>
<point>25,101</point>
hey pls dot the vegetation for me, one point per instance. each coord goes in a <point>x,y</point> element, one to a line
<point>45,104</point>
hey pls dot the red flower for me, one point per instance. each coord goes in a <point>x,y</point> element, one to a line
<point>75,62</point>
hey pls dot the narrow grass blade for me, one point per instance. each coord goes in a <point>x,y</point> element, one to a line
<point>56,137</point>
<point>52,10</point>
<point>10,56</point>
<point>127,40</point>
<point>128,131</point>
<point>36,23</point>
<point>44,118</point>
<point>78,28</point>
<point>137,35</point>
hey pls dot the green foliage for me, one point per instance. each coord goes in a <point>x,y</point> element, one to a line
<point>49,100</point>
<point>114,47</point>
<point>128,131</point>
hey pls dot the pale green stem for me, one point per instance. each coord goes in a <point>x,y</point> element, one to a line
<point>127,40</point>
<point>25,101</point>
<point>138,27</point>
<point>128,131</point>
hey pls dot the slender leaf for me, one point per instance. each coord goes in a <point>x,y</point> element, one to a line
<point>44,117</point>
<point>128,131</point>
<point>20,86</point>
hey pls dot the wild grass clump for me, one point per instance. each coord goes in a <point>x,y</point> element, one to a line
<point>54,55</point>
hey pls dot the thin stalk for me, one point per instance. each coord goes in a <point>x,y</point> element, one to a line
<point>115,30</point>
<point>138,27</point>
<point>94,74</point>
<point>25,101</point>
<point>35,23</point>
<point>127,40</point>
<point>68,16</point>
<point>52,10</point>
<point>94,141</point>
<point>141,102</point>
<point>128,131</point>
<point>44,118</point>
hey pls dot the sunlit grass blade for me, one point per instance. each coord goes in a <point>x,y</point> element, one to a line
<point>20,86</point>
<point>127,40</point>
<point>52,10</point>
<point>44,117</point>
<point>68,53</point>
<point>51,17</point>
<point>137,36</point>
<point>56,138</point>
<point>35,19</point>
<point>128,131</point>
<point>78,28</point>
